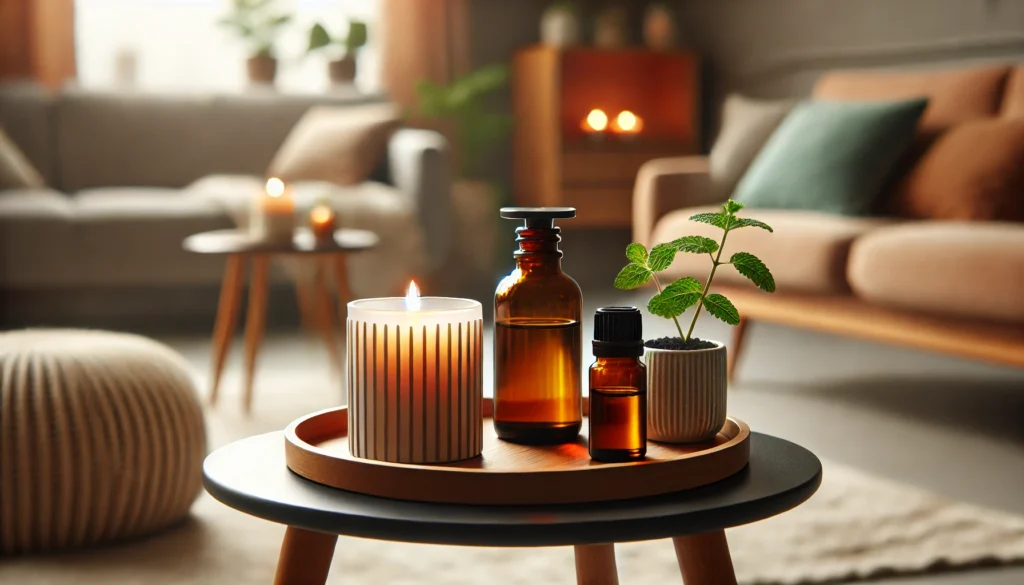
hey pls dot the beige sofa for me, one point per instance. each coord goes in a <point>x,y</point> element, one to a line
<point>949,286</point>
<point>131,175</point>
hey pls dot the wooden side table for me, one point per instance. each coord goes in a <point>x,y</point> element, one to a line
<point>315,304</point>
<point>251,475</point>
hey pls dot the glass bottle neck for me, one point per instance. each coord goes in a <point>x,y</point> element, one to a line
<point>616,362</point>
<point>538,249</point>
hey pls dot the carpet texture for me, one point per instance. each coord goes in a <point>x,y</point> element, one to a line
<point>856,526</point>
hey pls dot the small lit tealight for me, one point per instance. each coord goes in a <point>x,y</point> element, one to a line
<point>321,223</point>
<point>627,124</point>
<point>595,123</point>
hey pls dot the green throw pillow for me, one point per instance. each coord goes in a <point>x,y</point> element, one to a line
<point>831,156</point>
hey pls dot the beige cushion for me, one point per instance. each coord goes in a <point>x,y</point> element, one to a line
<point>806,253</point>
<point>16,172</point>
<point>955,268</point>
<point>340,145</point>
<point>103,439</point>
<point>746,125</point>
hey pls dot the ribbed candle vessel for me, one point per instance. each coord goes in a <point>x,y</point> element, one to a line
<point>415,391</point>
<point>686,394</point>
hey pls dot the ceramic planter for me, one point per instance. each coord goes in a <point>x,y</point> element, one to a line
<point>686,393</point>
<point>343,70</point>
<point>262,69</point>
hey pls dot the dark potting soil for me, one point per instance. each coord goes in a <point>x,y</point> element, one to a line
<point>677,343</point>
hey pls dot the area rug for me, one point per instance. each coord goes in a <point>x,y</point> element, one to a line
<point>856,527</point>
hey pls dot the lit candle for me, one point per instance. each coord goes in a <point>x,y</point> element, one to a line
<point>415,378</point>
<point>321,223</point>
<point>273,212</point>
<point>627,124</point>
<point>595,123</point>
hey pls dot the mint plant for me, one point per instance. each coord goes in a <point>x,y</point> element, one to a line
<point>673,300</point>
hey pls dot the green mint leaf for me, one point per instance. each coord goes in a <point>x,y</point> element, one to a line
<point>732,207</point>
<point>739,222</point>
<point>720,220</point>
<point>662,256</point>
<point>632,276</point>
<point>751,266</point>
<point>695,244</point>
<point>676,298</point>
<point>637,254</point>
<point>721,307</point>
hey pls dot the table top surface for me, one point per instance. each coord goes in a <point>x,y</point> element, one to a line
<point>251,475</point>
<point>242,242</point>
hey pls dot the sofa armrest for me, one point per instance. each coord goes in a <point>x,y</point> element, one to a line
<point>666,184</point>
<point>418,161</point>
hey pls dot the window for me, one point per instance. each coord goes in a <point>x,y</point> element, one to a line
<point>177,45</point>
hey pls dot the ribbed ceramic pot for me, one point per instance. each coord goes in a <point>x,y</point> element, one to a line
<point>686,393</point>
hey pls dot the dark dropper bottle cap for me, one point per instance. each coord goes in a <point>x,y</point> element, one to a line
<point>538,217</point>
<point>618,332</point>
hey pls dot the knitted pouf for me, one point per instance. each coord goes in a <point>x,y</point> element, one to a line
<point>101,438</point>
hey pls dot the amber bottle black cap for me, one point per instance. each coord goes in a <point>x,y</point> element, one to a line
<point>618,332</point>
<point>538,217</point>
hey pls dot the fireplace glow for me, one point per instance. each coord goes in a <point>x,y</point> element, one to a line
<point>627,123</point>
<point>596,121</point>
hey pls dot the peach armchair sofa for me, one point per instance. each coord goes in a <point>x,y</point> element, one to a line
<point>955,287</point>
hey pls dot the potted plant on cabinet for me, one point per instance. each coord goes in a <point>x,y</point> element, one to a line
<point>259,25</point>
<point>686,376</point>
<point>342,69</point>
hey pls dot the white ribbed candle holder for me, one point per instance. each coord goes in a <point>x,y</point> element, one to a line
<point>686,393</point>
<point>415,379</point>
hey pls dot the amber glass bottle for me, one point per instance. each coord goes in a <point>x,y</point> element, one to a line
<point>537,337</point>
<point>618,387</point>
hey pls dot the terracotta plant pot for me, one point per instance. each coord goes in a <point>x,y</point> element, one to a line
<point>342,70</point>
<point>686,393</point>
<point>262,70</point>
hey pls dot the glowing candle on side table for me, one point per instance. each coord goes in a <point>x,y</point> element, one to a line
<point>273,213</point>
<point>415,378</point>
<point>321,223</point>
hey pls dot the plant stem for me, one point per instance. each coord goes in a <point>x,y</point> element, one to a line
<point>674,319</point>
<point>707,285</point>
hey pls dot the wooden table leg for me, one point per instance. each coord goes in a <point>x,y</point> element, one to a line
<point>341,282</point>
<point>704,559</point>
<point>306,297</point>
<point>733,355</point>
<point>595,564</point>
<point>305,557</point>
<point>255,323</point>
<point>326,319</point>
<point>227,317</point>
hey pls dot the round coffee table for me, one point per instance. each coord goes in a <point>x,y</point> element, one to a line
<point>314,298</point>
<point>251,475</point>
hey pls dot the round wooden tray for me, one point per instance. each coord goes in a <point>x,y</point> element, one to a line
<point>316,447</point>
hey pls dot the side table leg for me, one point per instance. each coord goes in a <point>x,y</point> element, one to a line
<point>305,557</point>
<point>255,322</point>
<point>341,282</point>
<point>325,315</point>
<point>704,559</point>
<point>227,316</point>
<point>595,564</point>
<point>733,355</point>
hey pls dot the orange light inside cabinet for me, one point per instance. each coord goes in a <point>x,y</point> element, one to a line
<point>596,121</point>
<point>627,123</point>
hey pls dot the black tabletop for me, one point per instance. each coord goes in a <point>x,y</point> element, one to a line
<point>241,242</point>
<point>250,475</point>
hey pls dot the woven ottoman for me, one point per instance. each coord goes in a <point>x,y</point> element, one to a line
<point>101,438</point>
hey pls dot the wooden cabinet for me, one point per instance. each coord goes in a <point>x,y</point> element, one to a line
<point>560,160</point>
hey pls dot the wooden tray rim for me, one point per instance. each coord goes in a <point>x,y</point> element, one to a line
<point>292,439</point>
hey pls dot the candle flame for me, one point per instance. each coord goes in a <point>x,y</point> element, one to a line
<point>628,122</point>
<point>596,120</point>
<point>412,297</point>
<point>321,214</point>
<point>275,187</point>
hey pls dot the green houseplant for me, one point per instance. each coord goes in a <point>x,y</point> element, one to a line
<point>686,376</point>
<point>344,49</point>
<point>259,25</point>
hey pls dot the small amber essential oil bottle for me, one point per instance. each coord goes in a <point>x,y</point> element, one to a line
<point>618,387</point>
<point>538,357</point>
